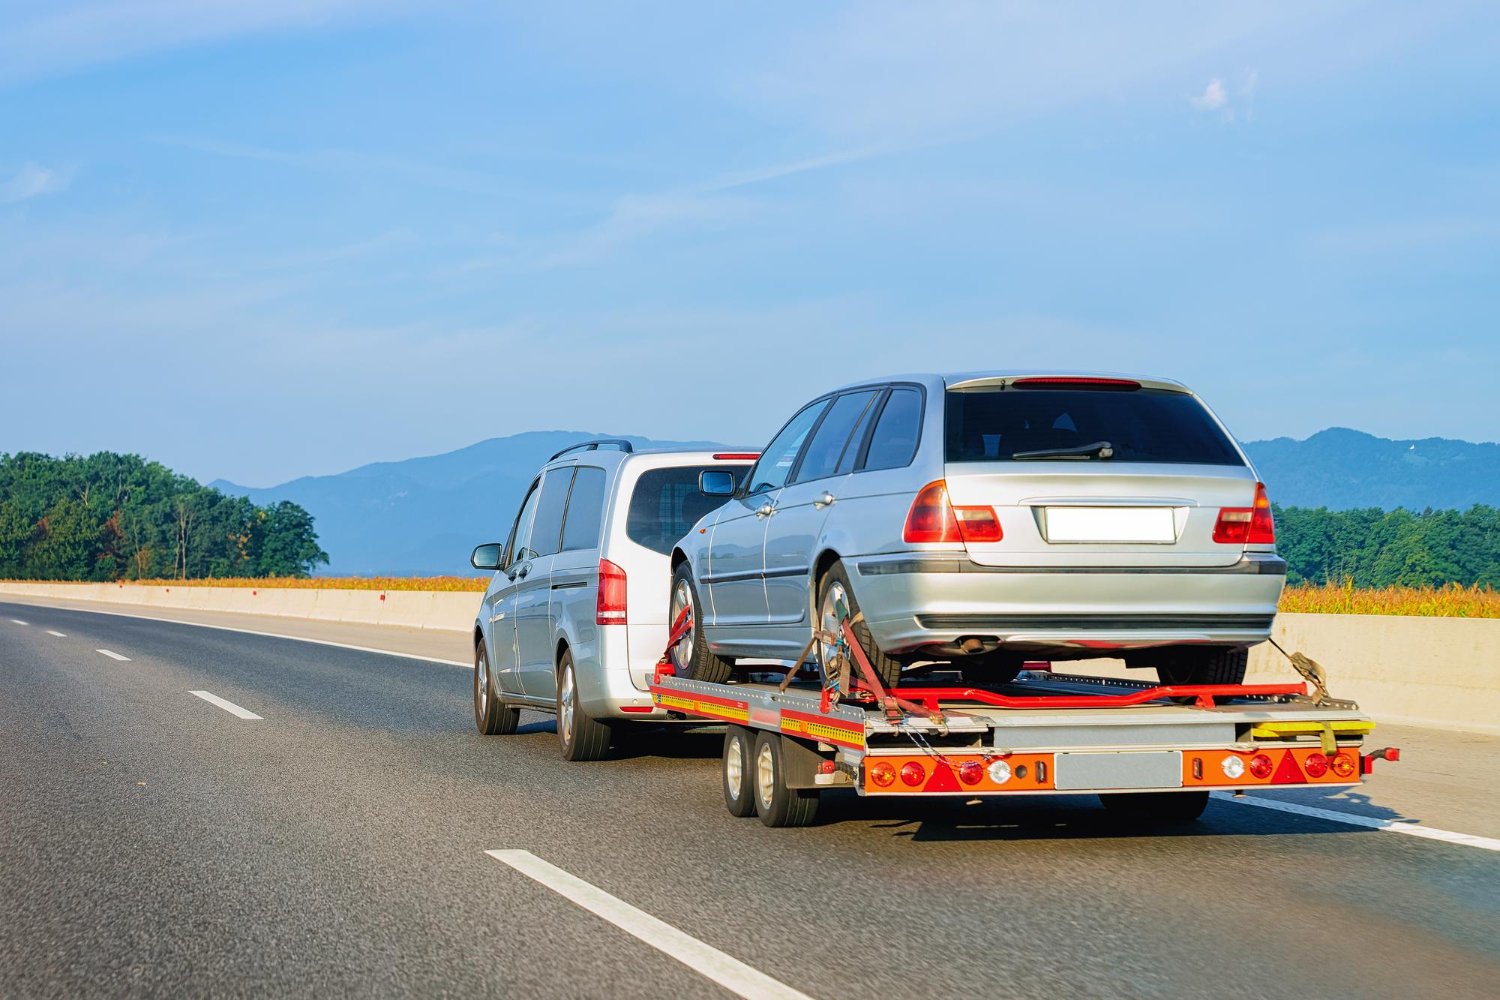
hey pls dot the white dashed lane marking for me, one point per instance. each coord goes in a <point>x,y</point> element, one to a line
<point>227,706</point>
<point>18,621</point>
<point>1370,822</point>
<point>113,655</point>
<point>60,635</point>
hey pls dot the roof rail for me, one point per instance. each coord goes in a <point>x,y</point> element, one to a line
<point>620,443</point>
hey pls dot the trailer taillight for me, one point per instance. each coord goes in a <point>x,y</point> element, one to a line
<point>913,773</point>
<point>999,772</point>
<point>882,773</point>
<point>1260,766</point>
<point>1344,766</point>
<point>971,772</point>
<point>610,609</point>
<point>1251,525</point>
<point>933,518</point>
<point>1315,764</point>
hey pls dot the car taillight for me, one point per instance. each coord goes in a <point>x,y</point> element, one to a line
<point>1247,525</point>
<point>1260,766</point>
<point>913,773</point>
<point>933,518</point>
<point>610,609</point>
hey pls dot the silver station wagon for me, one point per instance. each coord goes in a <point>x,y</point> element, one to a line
<point>983,520</point>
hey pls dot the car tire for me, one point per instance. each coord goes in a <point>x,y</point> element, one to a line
<point>491,715</point>
<point>887,669</point>
<point>691,658</point>
<point>1202,666</point>
<point>739,771</point>
<point>775,803</point>
<point>1157,807</point>
<point>582,736</point>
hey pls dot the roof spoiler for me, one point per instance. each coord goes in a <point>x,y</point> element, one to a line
<point>593,445</point>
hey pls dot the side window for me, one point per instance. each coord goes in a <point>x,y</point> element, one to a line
<point>857,439</point>
<point>546,531</point>
<point>894,443</point>
<point>520,532</point>
<point>585,510</point>
<point>831,439</point>
<point>776,461</point>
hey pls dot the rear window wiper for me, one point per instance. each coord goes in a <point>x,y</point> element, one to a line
<point>1099,449</point>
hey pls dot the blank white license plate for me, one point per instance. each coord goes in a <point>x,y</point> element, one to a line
<point>1087,771</point>
<point>1110,524</point>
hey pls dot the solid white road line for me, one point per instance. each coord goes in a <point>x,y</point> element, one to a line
<point>709,962</point>
<point>227,706</point>
<point>113,655</point>
<point>1392,826</point>
<point>60,635</point>
<point>18,621</point>
<point>467,665</point>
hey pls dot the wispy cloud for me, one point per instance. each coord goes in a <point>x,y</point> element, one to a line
<point>1213,97</point>
<point>33,180</point>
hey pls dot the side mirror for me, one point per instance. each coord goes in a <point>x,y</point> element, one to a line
<point>716,483</point>
<point>486,556</point>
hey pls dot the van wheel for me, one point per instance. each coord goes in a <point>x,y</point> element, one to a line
<point>836,604</point>
<point>1202,666</point>
<point>582,737</point>
<point>1157,807</point>
<point>777,804</point>
<point>691,657</point>
<point>739,771</point>
<point>491,715</point>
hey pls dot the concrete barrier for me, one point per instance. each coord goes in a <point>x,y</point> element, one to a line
<point>1439,672</point>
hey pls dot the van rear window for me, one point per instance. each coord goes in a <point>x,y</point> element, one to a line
<point>992,424</point>
<point>667,503</point>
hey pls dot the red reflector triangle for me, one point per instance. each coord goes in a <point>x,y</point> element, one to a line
<point>1287,772</point>
<point>942,780</point>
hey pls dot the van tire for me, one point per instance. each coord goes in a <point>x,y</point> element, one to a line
<point>582,736</point>
<point>492,716</point>
<point>887,669</point>
<point>1202,666</point>
<point>691,658</point>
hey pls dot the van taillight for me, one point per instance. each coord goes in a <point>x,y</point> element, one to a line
<point>1247,525</point>
<point>933,518</point>
<point>611,607</point>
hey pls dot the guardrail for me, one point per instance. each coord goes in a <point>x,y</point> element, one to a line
<point>1438,672</point>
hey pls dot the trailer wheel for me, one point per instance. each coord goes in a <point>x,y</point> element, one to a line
<point>582,736</point>
<point>777,804</point>
<point>739,771</point>
<point>1157,807</point>
<point>491,716</point>
<point>691,658</point>
<point>836,604</point>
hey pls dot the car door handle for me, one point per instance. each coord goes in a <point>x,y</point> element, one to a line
<point>766,510</point>
<point>520,571</point>
<point>824,500</point>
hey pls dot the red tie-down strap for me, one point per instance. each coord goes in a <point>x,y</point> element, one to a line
<point>680,629</point>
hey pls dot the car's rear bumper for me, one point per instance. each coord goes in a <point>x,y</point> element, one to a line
<point>938,599</point>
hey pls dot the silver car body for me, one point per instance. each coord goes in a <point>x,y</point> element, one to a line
<point>541,602</point>
<point>758,558</point>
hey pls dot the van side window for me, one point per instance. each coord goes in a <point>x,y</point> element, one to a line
<point>520,531</point>
<point>894,443</point>
<point>585,510</point>
<point>776,461</point>
<point>831,439</point>
<point>546,532</point>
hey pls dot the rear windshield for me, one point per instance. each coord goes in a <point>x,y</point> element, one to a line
<point>667,503</point>
<point>1141,425</point>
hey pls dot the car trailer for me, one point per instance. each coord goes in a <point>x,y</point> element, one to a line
<point>1151,750</point>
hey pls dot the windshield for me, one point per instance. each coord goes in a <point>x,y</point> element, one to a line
<point>994,424</point>
<point>667,503</point>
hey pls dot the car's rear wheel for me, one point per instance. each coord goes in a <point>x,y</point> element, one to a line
<point>582,736</point>
<point>492,716</point>
<point>1202,666</point>
<point>836,605</point>
<point>691,658</point>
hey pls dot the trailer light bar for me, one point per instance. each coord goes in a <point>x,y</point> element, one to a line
<point>999,772</point>
<point>882,774</point>
<point>1315,764</point>
<point>971,772</point>
<point>913,773</point>
<point>1233,767</point>
<point>1260,766</point>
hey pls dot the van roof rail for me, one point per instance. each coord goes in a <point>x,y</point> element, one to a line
<point>593,445</point>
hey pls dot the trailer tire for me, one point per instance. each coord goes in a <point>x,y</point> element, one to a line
<point>1202,666</point>
<point>739,771</point>
<point>777,804</point>
<point>582,736</point>
<point>834,581</point>
<point>1157,807</point>
<point>492,716</point>
<point>691,658</point>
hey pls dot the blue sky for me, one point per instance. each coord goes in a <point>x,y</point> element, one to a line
<point>264,240</point>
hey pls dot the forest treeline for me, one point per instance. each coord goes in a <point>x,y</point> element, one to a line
<point>107,517</point>
<point>1385,548</point>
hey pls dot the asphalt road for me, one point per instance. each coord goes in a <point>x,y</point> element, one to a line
<point>153,843</point>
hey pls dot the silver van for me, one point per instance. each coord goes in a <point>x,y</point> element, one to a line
<point>983,520</point>
<point>575,617</point>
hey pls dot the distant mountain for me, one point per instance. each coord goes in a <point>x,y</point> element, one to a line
<point>1343,469</point>
<point>423,516</point>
